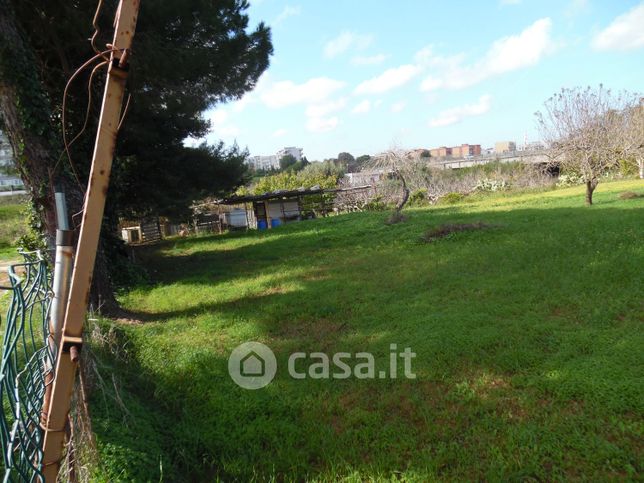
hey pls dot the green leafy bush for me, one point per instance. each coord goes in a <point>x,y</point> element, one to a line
<point>418,197</point>
<point>291,181</point>
<point>376,204</point>
<point>451,198</point>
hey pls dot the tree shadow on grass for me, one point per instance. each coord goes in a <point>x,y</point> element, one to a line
<point>516,357</point>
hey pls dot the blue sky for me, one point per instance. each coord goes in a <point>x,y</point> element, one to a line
<point>364,75</point>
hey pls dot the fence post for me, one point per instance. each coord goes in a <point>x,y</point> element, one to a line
<point>71,338</point>
<point>62,273</point>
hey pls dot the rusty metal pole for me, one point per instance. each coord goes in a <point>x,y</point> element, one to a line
<point>71,340</point>
<point>62,275</point>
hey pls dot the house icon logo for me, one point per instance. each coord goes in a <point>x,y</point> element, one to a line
<point>252,365</point>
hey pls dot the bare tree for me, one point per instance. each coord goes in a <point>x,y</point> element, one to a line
<point>581,127</point>
<point>631,132</point>
<point>402,165</point>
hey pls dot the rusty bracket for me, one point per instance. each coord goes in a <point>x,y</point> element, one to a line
<point>73,346</point>
<point>119,68</point>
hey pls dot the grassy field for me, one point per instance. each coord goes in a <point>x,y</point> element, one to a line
<point>528,337</point>
<point>12,225</point>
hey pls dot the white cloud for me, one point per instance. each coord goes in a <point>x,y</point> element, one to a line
<point>326,108</point>
<point>398,106</point>
<point>369,60</point>
<point>430,83</point>
<point>279,133</point>
<point>227,131</point>
<point>287,12</point>
<point>318,115</point>
<point>344,42</point>
<point>626,32</point>
<point>457,114</point>
<point>362,107</point>
<point>425,55</point>
<point>219,124</point>
<point>286,93</point>
<point>240,105</point>
<point>389,79</point>
<point>218,117</point>
<point>319,125</point>
<point>504,55</point>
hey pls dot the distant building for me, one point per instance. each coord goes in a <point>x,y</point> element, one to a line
<point>505,147</point>
<point>7,181</point>
<point>532,146</point>
<point>441,152</point>
<point>6,153</point>
<point>465,150</point>
<point>273,161</point>
<point>462,151</point>
<point>264,162</point>
<point>295,152</point>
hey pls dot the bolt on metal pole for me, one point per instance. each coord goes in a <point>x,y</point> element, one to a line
<point>71,337</point>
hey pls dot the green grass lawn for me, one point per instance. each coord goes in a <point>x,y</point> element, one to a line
<point>12,225</point>
<point>528,337</point>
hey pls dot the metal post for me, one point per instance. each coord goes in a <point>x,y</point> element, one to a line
<point>71,338</point>
<point>62,274</point>
<point>62,266</point>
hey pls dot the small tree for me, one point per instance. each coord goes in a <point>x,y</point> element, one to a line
<point>581,127</point>
<point>347,161</point>
<point>402,165</point>
<point>362,160</point>
<point>286,161</point>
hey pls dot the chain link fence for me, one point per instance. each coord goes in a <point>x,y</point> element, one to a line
<point>26,368</point>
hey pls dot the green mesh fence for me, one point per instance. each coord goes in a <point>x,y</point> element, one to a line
<point>26,367</point>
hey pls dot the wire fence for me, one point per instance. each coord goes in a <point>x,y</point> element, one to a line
<point>26,368</point>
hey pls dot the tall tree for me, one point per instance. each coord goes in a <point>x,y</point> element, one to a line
<point>188,55</point>
<point>582,128</point>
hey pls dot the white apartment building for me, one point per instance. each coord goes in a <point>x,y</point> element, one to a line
<point>6,159</point>
<point>293,151</point>
<point>264,162</point>
<point>273,161</point>
<point>6,154</point>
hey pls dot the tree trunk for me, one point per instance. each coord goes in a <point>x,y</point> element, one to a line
<point>403,201</point>
<point>640,162</point>
<point>590,188</point>
<point>27,120</point>
<point>25,111</point>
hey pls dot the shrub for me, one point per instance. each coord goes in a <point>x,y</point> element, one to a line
<point>418,197</point>
<point>628,167</point>
<point>566,180</point>
<point>628,195</point>
<point>451,198</point>
<point>491,185</point>
<point>376,204</point>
